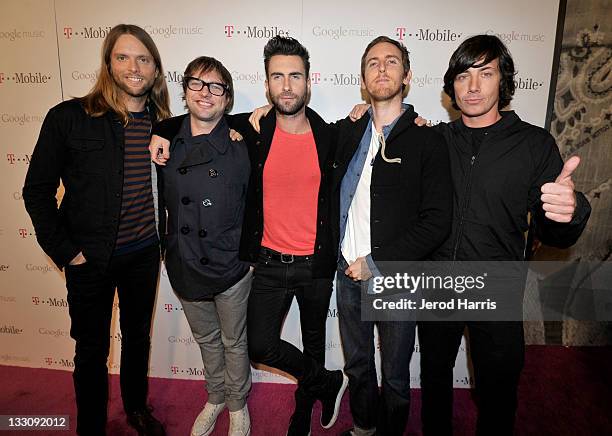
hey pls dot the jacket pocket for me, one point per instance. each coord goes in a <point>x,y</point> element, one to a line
<point>234,203</point>
<point>386,174</point>
<point>87,155</point>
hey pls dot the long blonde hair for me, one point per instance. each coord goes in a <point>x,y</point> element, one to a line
<point>104,95</point>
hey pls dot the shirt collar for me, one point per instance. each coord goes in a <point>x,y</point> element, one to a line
<point>387,128</point>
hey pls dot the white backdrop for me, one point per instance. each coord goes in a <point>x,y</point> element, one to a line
<point>51,51</point>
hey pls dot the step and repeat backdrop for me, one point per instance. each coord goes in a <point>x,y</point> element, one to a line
<point>51,52</point>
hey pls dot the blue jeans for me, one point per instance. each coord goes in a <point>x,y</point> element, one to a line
<point>387,410</point>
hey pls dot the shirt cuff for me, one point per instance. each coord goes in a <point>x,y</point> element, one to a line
<point>372,266</point>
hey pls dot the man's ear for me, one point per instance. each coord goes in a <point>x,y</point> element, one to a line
<point>408,78</point>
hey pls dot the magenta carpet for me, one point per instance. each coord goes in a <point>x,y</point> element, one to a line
<point>563,391</point>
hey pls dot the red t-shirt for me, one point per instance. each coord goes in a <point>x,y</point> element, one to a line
<point>291,181</point>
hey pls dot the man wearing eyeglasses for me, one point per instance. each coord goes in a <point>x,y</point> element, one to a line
<point>286,231</point>
<point>204,193</point>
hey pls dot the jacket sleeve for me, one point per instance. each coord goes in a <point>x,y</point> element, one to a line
<point>547,166</point>
<point>240,123</point>
<point>40,189</point>
<point>169,127</point>
<point>162,214</point>
<point>433,224</point>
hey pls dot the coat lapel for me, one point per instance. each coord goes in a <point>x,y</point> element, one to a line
<point>322,134</point>
<point>197,155</point>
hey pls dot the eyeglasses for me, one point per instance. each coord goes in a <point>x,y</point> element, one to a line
<point>214,88</point>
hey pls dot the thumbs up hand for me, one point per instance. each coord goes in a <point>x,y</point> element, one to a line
<point>559,198</point>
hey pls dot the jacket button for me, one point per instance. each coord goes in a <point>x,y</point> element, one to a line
<point>185,200</point>
<point>376,221</point>
<point>185,230</point>
<point>322,199</point>
<point>204,261</point>
<point>117,195</point>
<point>376,247</point>
<point>321,222</point>
<point>260,165</point>
<point>182,171</point>
<point>319,246</point>
<point>202,233</point>
<point>258,143</point>
<point>256,232</point>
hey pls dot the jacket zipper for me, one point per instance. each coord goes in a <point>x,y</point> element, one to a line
<point>466,193</point>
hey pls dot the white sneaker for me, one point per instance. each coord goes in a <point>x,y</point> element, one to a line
<point>206,420</point>
<point>240,422</point>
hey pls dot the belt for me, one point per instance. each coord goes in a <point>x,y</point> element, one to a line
<point>284,257</point>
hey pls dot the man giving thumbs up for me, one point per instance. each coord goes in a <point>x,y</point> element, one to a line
<point>504,171</point>
<point>559,198</point>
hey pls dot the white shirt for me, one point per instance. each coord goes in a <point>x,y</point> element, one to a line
<point>357,241</point>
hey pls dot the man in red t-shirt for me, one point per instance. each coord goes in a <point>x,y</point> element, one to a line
<point>287,224</point>
<point>286,233</point>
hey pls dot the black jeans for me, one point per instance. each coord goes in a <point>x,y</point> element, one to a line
<point>274,285</point>
<point>497,350</point>
<point>90,301</point>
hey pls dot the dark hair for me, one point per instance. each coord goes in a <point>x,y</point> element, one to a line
<point>205,64</point>
<point>402,48</point>
<point>286,46</point>
<point>475,52</point>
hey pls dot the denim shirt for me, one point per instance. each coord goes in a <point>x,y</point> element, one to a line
<point>351,179</point>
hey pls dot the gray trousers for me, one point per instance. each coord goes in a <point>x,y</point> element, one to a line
<point>219,327</point>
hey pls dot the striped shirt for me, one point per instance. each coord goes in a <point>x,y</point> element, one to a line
<point>137,219</point>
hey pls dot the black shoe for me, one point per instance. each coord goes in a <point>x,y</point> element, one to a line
<point>331,397</point>
<point>145,423</point>
<point>299,425</point>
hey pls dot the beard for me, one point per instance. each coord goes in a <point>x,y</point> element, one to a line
<point>133,92</point>
<point>289,108</point>
<point>384,91</point>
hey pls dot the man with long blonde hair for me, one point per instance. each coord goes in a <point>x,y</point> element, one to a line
<point>104,232</point>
